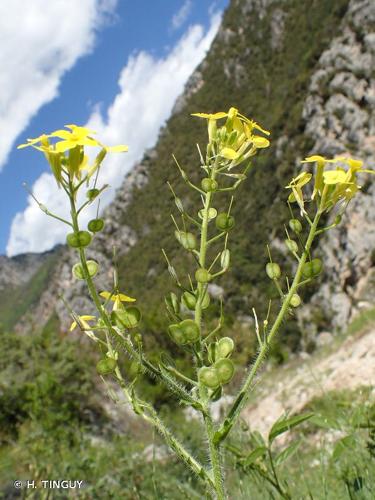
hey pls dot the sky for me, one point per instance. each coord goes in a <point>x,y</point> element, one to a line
<point>114,65</point>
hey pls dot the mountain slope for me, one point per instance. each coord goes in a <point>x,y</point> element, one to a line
<point>303,70</point>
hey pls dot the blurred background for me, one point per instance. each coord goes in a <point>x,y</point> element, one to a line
<point>134,72</point>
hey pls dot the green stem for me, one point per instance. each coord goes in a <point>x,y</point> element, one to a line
<point>243,395</point>
<point>214,448</point>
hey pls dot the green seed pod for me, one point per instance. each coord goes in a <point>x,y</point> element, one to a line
<point>224,222</point>
<point>295,225</point>
<point>273,270</point>
<point>106,366</point>
<point>206,300</point>
<point>176,334</point>
<point>224,347</point>
<point>188,241</point>
<point>225,370</point>
<point>79,239</point>
<point>189,300</point>
<point>307,271</point>
<point>92,267</point>
<point>126,318</point>
<point>291,245</point>
<point>295,301</point>
<point>190,330</point>
<point>92,194</point>
<point>208,184</point>
<point>317,266</point>
<point>225,259</point>
<point>338,219</point>
<point>202,275</point>
<point>209,377</point>
<point>95,225</point>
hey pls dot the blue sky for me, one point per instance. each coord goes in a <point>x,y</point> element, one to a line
<point>125,43</point>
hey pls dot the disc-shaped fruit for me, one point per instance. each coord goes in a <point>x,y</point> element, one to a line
<point>224,369</point>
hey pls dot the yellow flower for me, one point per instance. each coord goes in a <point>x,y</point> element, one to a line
<point>338,176</point>
<point>117,298</point>
<point>82,321</point>
<point>211,116</point>
<point>296,185</point>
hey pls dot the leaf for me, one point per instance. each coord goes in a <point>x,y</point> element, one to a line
<point>287,452</point>
<point>324,422</point>
<point>254,455</point>
<point>285,424</point>
<point>344,444</point>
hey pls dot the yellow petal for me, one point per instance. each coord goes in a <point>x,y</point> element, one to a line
<point>72,326</point>
<point>335,177</point>
<point>311,159</point>
<point>260,142</point>
<point>106,295</point>
<point>125,298</point>
<point>229,153</point>
<point>213,116</point>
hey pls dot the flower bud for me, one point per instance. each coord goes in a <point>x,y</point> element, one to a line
<point>224,347</point>
<point>291,246</point>
<point>208,184</point>
<point>79,239</point>
<point>190,330</point>
<point>224,369</point>
<point>202,275</point>
<point>295,225</point>
<point>106,366</point>
<point>295,300</point>
<point>126,318</point>
<point>92,194</point>
<point>209,377</point>
<point>224,222</point>
<point>95,225</point>
<point>78,272</point>
<point>273,270</point>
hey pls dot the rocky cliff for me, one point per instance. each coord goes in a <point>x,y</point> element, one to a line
<point>303,69</point>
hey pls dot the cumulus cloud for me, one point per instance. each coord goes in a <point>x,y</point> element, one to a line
<point>181,15</point>
<point>40,41</point>
<point>148,88</point>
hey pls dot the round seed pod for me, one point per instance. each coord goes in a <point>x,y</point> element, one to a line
<point>126,318</point>
<point>92,267</point>
<point>307,271</point>
<point>79,239</point>
<point>224,347</point>
<point>208,184</point>
<point>317,266</point>
<point>190,330</point>
<point>202,275</point>
<point>95,225</point>
<point>189,300</point>
<point>295,301</point>
<point>224,369</point>
<point>106,366</point>
<point>209,377</point>
<point>176,334</point>
<point>188,241</point>
<point>291,246</point>
<point>295,225</point>
<point>273,270</point>
<point>92,194</point>
<point>224,222</point>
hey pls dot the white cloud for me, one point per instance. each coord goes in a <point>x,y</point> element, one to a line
<point>149,88</point>
<point>39,42</point>
<point>181,15</point>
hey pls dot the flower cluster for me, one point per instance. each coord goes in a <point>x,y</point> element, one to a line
<point>64,150</point>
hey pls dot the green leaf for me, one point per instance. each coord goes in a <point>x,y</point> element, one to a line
<point>285,424</point>
<point>287,452</point>
<point>325,422</point>
<point>254,455</point>
<point>344,444</point>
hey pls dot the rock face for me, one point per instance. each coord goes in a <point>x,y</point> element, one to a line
<point>18,270</point>
<point>340,119</point>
